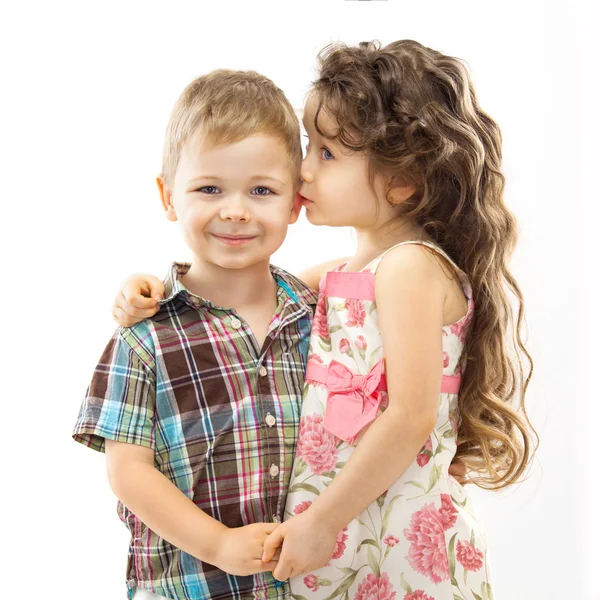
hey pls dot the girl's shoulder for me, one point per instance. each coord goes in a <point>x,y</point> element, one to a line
<point>417,256</point>
<point>420,267</point>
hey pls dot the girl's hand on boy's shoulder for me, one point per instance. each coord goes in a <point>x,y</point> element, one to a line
<point>308,544</point>
<point>240,550</point>
<point>137,299</point>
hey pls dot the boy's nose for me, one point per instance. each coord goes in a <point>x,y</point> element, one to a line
<point>235,211</point>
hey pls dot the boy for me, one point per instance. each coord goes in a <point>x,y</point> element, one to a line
<point>197,407</point>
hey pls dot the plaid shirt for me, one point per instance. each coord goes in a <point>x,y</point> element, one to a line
<point>221,415</point>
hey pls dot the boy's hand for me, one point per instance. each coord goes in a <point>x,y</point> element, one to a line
<point>458,470</point>
<point>137,299</point>
<point>241,549</point>
<point>307,545</point>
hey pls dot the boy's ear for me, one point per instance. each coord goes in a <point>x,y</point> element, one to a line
<point>166,197</point>
<point>296,208</point>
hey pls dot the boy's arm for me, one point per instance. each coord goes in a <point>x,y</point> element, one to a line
<point>166,510</point>
<point>312,276</point>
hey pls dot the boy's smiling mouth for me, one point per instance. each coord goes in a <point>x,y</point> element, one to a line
<point>233,239</point>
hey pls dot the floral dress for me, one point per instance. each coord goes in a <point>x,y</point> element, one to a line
<point>420,540</point>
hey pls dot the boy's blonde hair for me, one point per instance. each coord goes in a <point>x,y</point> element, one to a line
<point>230,106</point>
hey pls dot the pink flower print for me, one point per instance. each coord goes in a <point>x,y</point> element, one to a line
<point>468,556</point>
<point>461,327</point>
<point>356,312</point>
<point>423,459</point>
<point>446,359</point>
<point>340,544</point>
<point>316,446</point>
<point>320,323</point>
<point>361,343</point>
<point>425,455</point>
<point>390,540</point>
<point>344,346</point>
<point>311,582</point>
<point>448,512</point>
<point>427,552</point>
<point>418,595</point>
<point>375,588</point>
<point>315,358</point>
<point>300,508</point>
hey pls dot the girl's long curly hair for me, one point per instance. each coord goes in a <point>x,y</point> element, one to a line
<point>414,113</point>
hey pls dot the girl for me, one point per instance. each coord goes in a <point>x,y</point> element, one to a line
<point>414,358</point>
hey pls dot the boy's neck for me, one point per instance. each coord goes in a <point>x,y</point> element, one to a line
<point>231,288</point>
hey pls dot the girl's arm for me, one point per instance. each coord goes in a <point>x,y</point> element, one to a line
<point>137,299</point>
<point>138,296</point>
<point>410,293</point>
<point>312,276</point>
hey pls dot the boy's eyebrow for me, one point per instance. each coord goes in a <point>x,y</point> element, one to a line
<point>215,178</point>
<point>200,177</point>
<point>266,177</point>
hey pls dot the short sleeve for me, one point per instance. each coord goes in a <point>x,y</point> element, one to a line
<point>120,401</point>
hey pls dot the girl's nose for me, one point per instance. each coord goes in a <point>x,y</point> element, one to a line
<point>305,173</point>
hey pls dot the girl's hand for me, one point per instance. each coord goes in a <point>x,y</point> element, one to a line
<point>137,299</point>
<point>307,545</point>
<point>239,551</point>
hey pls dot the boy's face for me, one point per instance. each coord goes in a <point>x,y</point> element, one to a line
<point>234,202</point>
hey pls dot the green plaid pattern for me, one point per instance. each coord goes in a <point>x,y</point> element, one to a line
<point>220,414</point>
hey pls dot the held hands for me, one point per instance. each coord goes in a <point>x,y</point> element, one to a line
<point>137,299</point>
<point>307,545</point>
<point>240,549</point>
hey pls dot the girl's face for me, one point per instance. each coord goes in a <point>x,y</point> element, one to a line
<point>335,186</point>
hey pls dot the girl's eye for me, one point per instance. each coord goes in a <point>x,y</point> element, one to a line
<point>262,191</point>
<point>325,154</point>
<point>209,189</point>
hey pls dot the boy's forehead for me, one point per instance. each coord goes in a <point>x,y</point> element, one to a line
<point>260,154</point>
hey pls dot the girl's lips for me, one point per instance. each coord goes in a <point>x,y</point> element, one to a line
<point>305,201</point>
<point>234,241</point>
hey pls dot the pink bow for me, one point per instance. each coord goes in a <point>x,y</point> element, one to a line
<point>353,400</point>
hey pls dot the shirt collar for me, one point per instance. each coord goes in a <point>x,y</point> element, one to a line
<point>296,289</point>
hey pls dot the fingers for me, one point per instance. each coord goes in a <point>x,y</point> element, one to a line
<point>138,295</point>
<point>157,289</point>
<point>271,544</point>
<point>259,566</point>
<point>122,318</point>
<point>457,469</point>
<point>282,571</point>
<point>137,307</point>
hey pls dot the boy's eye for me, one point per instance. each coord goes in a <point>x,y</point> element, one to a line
<point>209,189</point>
<point>262,191</point>
<point>325,154</point>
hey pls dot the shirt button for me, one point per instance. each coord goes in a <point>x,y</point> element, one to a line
<point>262,371</point>
<point>235,323</point>
<point>274,471</point>
<point>270,420</point>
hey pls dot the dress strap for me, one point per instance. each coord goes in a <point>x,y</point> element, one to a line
<point>372,266</point>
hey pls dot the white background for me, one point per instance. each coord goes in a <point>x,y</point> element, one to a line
<point>87,89</point>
